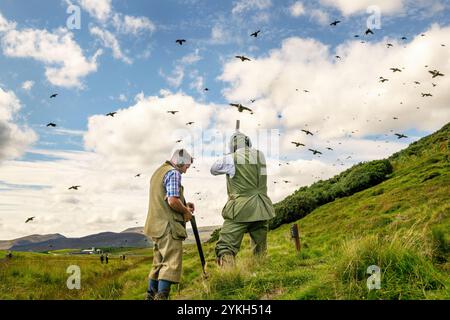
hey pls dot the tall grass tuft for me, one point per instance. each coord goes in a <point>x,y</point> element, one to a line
<point>405,261</point>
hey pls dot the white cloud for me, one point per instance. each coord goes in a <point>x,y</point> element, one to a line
<point>319,16</point>
<point>27,85</point>
<point>354,99</point>
<point>349,7</point>
<point>220,34</point>
<point>110,41</point>
<point>123,98</point>
<point>241,6</point>
<point>133,25</point>
<point>176,78</point>
<point>6,25</point>
<point>297,9</point>
<point>64,61</point>
<point>13,139</point>
<point>100,9</point>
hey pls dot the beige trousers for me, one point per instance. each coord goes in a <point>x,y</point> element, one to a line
<point>167,258</point>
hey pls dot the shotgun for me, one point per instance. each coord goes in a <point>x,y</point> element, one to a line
<point>199,244</point>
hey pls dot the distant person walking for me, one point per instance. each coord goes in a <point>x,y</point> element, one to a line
<point>106,259</point>
<point>166,224</point>
<point>102,258</point>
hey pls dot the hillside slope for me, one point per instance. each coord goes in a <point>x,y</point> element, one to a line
<point>401,225</point>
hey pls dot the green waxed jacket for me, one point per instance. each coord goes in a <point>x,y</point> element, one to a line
<point>247,190</point>
<point>160,214</point>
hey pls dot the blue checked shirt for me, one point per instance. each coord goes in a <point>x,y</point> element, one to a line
<point>172,183</point>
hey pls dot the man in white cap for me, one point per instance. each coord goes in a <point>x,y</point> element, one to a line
<point>168,213</point>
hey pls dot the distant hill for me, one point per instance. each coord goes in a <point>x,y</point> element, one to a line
<point>35,238</point>
<point>132,238</point>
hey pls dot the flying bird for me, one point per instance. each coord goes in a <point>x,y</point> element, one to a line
<point>337,57</point>
<point>51,125</point>
<point>255,34</point>
<point>426,95</point>
<point>138,175</point>
<point>307,132</point>
<point>416,82</point>
<point>53,95</point>
<point>30,219</point>
<point>404,38</point>
<point>190,123</point>
<point>173,112</point>
<point>396,70</point>
<point>395,118</point>
<point>240,107</point>
<point>334,23</point>
<point>315,151</point>
<point>297,144</point>
<point>206,89</point>
<point>436,73</point>
<point>243,58</point>
<point>400,135</point>
<point>368,31</point>
<point>331,149</point>
<point>383,79</point>
<point>74,187</point>
<point>286,181</point>
<point>111,114</point>
<point>180,41</point>
<point>252,100</point>
<point>179,141</point>
<point>389,45</point>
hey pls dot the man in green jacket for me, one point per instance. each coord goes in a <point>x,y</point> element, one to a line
<point>166,224</point>
<point>248,208</point>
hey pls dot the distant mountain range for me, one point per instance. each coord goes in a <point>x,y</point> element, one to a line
<point>132,237</point>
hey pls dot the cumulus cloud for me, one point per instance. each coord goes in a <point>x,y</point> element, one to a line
<point>110,41</point>
<point>6,25</point>
<point>65,63</point>
<point>356,102</point>
<point>13,139</point>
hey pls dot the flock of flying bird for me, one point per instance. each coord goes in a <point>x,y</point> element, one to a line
<point>241,108</point>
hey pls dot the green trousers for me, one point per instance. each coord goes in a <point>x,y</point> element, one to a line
<point>232,232</point>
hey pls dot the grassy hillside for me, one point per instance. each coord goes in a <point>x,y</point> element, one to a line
<point>400,223</point>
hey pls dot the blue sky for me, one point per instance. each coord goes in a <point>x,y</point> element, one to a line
<point>148,70</point>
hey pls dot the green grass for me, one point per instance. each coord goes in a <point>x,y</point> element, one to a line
<point>401,224</point>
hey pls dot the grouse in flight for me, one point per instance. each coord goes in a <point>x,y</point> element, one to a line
<point>30,219</point>
<point>308,132</point>
<point>368,31</point>
<point>334,23</point>
<point>74,187</point>
<point>111,114</point>
<point>426,95</point>
<point>383,79</point>
<point>255,34</point>
<point>297,144</point>
<point>53,95</point>
<point>399,135</point>
<point>240,107</point>
<point>243,58</point>
<point>190,123</point>
<point>172,112</point>
<point>396,70</point>
<point>51,125</point>
<point>436,73</point>
<point>315,151</point>
<point>180,41</point>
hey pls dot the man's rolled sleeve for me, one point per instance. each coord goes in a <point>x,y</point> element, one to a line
<point>172,183</point>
